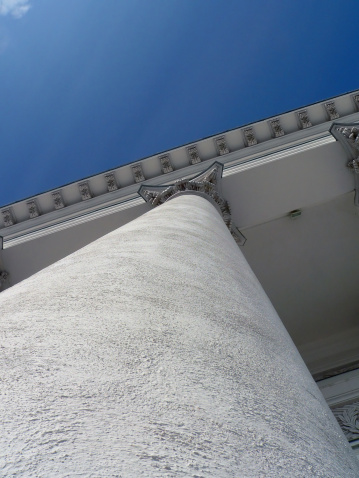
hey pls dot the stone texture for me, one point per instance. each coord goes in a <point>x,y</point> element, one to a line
<point>154,352</point>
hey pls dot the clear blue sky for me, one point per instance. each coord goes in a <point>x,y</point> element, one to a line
<point>87,85</point>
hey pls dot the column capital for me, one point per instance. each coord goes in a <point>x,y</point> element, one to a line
<point>348,419</point>
<point>207,184</point>
<point>348,137</point>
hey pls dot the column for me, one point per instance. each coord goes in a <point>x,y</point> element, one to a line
<point>155,352</point>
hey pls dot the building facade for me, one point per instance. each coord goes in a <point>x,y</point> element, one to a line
<point>139,309</point>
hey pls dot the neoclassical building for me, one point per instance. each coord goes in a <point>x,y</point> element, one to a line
<point>193,313</point>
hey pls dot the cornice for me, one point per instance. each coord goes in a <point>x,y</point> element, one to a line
<point>239,149</point>
<point>56,225</point>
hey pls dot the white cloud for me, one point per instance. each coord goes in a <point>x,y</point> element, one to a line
<point>16,8</point>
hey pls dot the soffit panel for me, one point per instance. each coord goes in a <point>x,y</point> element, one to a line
<point>309,268</point>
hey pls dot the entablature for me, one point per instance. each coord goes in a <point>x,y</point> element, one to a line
<point>239,149</point>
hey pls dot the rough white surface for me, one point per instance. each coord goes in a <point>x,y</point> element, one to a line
<point>154,352</point>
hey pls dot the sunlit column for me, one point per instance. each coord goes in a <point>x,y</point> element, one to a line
<point>154,351</point>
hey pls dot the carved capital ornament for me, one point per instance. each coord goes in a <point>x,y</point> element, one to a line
<point>206,184</point>
<point>348,419</point>
<point>348,137</point>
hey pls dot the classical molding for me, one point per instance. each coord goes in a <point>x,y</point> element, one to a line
<point>221,145</point>
<point>85,191</point>
<point>58,200</point>
<point>348,419</point>
<point>166,165</point>
<point>111,182</point>
<point>33,209</point>
<point>304,119</point>
<point>55,226</point>
<point>240,157</point>
<point>193,155</point>
<point>138,173</point>
<point>206,184</point>
<point>249,137</point>
<point>335,372</point>
<point>8,217</point>
<point>276,128</point>
<point>331,110</point>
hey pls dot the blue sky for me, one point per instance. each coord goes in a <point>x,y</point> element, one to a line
<point>87,85</point>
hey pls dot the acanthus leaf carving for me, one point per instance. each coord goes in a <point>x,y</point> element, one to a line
<point>304,119</point>
<point>111,182</point>
<point>331,110</point>
<point>348,419</point>
<point>206,183</point>
<point>58,201</point>
<point>138,173</point>
<point>193,155</point>
<point>351,134</point>
<point>276,128</point>
<point>348,136</point>
<point>249,136</point>
<point>166,165</point>
<point>85,192</point>
<point>8,217</point>
<point>33,209</point>
<point>221,144</point>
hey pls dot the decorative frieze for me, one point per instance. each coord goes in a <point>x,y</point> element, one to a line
<point>57,199</point>
<point>85,192</point>
<point>331,110</point>
<point>348,419</point>
<point>111,182</point>
<point>138,173</point>
<point>221,146</point>
<point>304,119</point>
<point>276,128</point>
<point>193,155</point>
<point>166,165</point>
<point>33,209</point>
<point>249,137</point>
<point>206,183</point>
<point>8,217</point>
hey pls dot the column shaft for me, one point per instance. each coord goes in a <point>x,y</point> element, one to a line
<point>155,352</point>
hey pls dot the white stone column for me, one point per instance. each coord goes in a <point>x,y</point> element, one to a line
<point>155,352</point>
